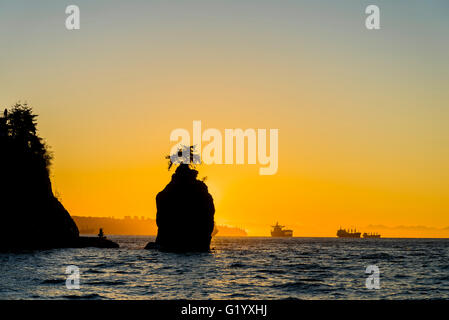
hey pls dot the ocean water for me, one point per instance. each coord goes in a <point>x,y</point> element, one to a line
<point>237,268</point>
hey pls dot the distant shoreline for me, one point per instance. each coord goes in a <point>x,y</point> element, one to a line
<point>270,237</point>
<point>142,226</point>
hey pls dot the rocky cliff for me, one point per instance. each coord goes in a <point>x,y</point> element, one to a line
<point>185,213</point>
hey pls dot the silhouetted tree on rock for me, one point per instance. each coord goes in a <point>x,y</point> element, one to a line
<point>185,209</point>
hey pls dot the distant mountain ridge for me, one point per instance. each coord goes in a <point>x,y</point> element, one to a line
<point>410,231</point>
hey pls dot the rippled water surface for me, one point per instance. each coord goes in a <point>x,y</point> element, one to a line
<point>237,268</point>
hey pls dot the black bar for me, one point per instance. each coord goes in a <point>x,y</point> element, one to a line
<point>225,309</point>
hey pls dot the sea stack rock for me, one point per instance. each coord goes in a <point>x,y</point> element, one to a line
<point>31,216</point>
<point>185,214</point>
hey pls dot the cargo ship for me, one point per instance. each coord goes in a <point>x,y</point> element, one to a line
<point>279,231</point>
<point>371,235</point>
<point>343,233</point>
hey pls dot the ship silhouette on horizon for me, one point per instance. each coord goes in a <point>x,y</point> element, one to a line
<point>343,233</point>
<point>279,231</point>
<point>350,233</point>
<point>371,235</point>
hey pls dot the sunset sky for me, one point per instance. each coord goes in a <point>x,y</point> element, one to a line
<point>362,114</point>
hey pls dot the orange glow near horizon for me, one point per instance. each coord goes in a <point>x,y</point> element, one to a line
<point>362,117</point>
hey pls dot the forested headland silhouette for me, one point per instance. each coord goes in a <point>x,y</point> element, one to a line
<point>31,216</point>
